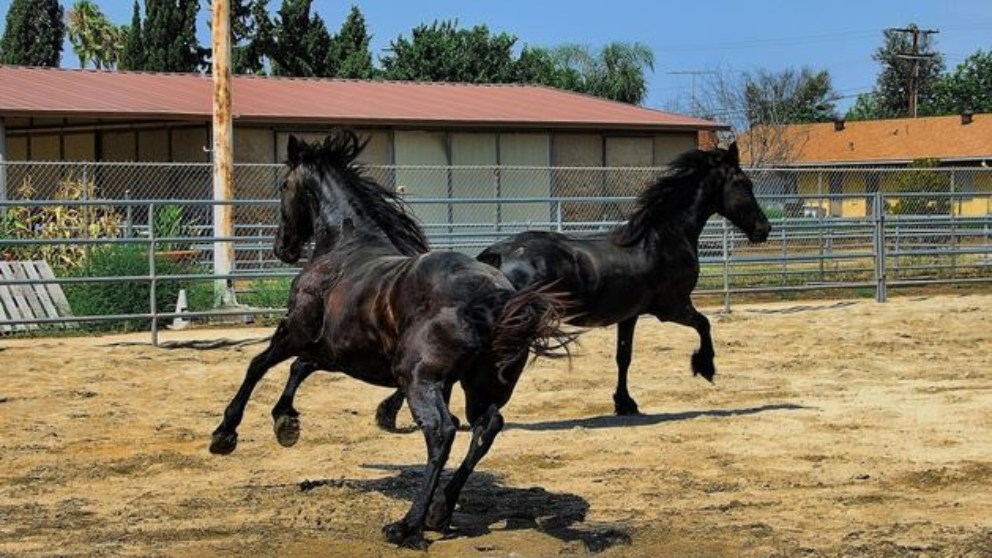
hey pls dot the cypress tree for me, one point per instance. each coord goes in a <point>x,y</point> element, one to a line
<point>34,33</point>
<point>349,56</point>
<point>170,36</point>
<point>133,57</point>
<point>301,42</point>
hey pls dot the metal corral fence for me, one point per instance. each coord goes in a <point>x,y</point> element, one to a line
<point>123,241</point>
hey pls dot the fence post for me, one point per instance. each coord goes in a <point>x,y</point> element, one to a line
<point>153,309</point>
<point>878,219</point>
<point>558,216</point>
<point>726,268</point>
<point>954,227</point>
<point>129,215</point>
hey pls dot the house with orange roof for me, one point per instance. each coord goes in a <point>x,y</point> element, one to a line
<point>855,157</point>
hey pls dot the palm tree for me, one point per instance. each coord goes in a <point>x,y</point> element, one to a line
<point>93,38</point>
<point>84,22</point>
<point>615,72</point>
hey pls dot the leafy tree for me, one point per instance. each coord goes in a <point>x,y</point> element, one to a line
<point>890,97</point>
<point>251,36</point>
<point>922,178</point>
<point>968,87</point>
<point>349,55</point>
<point>169,36</point>
<point>133,55</point>
<point>542,66</point>
<point>789,97</point>
<point>762,104</point>
<point>301,42</point>
<point>442,52</point>
<point>33,35</point>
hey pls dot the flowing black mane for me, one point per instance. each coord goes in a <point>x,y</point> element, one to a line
<point>669,196</point>
<point>390,213</point>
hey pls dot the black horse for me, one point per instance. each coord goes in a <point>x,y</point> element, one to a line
<point>648,265</point>
<point>372,303</point>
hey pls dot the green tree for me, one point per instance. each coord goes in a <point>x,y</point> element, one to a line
<point>33,34</point>
<point>789,97</point>
<point>922,178</point>
<point>133,55</point>
<point>540,65</point>
<point>615,72</point>
<point>169,35</point>
<point>301,42</point>
<point>251,36</point>
<point>443,52</point>
<point>968,87</point>
<point>349,55</point>
<point>890,97</point>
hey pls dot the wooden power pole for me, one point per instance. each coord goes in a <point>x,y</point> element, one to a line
<point>916,57</point>
<point>223,155</point>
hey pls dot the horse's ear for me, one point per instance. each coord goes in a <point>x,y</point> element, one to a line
<point>733,155</point>
<point>293,150</point>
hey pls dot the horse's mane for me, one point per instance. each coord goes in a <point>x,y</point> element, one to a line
<point>670,195</point>
<point>391,213</point>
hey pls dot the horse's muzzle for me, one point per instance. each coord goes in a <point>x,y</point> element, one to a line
<point>760,232</point>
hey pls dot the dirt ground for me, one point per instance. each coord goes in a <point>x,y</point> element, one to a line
<point>844,428</point>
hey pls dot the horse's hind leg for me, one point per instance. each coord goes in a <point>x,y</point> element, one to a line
<point>285,417</point>
<point>702,359</point>
<point>426,400</point>
<point>485,427</point>
<point>623,403</point>
<point>225,437</point>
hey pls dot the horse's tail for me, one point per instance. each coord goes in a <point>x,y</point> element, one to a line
<point>530,322</point>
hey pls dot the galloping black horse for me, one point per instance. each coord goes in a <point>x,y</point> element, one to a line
<point>648,265</point>
<point>374,304</point>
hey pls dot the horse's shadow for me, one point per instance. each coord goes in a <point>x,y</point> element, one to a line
<point>613,421</point>
<point>487,505</point>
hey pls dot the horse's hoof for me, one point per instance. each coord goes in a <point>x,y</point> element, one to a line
<point>438,516</point>
<point>401,534</point>
<point>625,406</point>
<point>703,366</point>
<point>223,443</point>
<point>287,430</point>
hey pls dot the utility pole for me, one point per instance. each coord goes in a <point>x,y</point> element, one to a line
<point>223,156</point>
<point>916,57</point>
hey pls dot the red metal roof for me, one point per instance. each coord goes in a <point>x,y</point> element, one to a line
<point>57,92</point>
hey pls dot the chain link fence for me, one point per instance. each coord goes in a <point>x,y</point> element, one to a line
<point>142,233</point>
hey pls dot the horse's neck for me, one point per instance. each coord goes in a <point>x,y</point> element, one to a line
<point>688,225</point>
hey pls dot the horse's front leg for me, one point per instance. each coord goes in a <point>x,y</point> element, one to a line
<point>389,408</point>
<point>623,403</point>
<point>426,400</point>
<point>225,437</point>
<point>702,360</point>
<point>285,417</point>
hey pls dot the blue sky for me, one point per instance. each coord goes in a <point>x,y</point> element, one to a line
<point>722,35</point>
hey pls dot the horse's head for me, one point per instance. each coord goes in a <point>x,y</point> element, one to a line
<point>733,194</point>
<point>296,204</point>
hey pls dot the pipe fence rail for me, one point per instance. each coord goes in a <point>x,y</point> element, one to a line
<point>127,255</point>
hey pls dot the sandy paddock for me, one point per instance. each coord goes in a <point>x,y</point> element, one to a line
<point>834,429</point>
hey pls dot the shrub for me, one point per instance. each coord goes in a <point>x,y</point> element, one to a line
<point>132,297</point>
